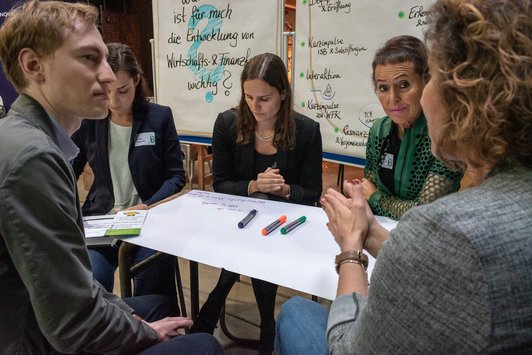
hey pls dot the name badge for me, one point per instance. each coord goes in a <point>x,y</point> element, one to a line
<point>146,138</point>
<point>387,163</point>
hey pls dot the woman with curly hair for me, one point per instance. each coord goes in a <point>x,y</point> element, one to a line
<point>454,275</point>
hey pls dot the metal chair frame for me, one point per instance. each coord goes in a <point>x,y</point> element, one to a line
<point>127,271</point>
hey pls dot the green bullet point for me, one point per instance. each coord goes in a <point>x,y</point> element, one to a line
<point>303,104</point>
<point>301,75</point>
<point>401,14</point>
<point>302,43</point>
<point>336,129</point>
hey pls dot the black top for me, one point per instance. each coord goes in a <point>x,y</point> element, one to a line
<point>234,164</point>
<point>388,159</point>
<point>263,162</point>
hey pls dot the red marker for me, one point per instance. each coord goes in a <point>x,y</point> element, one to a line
<point>274,225</point>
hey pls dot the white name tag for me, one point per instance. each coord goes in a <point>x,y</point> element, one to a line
<point>387,163</point>
<point>146,138</point>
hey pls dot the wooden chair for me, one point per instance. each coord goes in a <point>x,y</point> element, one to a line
<point>204,158</point>
<point>197,153</point>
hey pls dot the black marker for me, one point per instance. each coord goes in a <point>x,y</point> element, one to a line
<point>246,219</point>
<point>293,225</point>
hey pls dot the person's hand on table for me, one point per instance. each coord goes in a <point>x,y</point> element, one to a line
<point>368,188</point>
<point>168,327</point>
<point>140,206</point>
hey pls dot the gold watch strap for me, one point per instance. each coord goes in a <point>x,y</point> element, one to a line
<point>348,261</point>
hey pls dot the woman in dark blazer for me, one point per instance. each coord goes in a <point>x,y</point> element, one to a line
<point>156,167</point>
<point>137,161</point>
<point>233,163</point>
<point>263,149</point>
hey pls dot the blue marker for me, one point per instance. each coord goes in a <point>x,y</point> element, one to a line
<point>246,219</point>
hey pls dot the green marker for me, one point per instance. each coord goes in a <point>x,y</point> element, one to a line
<point>293,225</point>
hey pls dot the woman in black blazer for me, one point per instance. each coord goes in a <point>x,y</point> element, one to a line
<point>137,161</point>
<point>263,149</point>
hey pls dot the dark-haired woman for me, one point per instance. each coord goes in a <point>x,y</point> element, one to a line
<point>263,149</point>
<point>400,170</point>
<point>137,161</point>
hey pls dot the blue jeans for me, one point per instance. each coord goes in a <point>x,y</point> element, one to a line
<point>155,307</point>
<point>197,344</point>
<point>301,328</point>
<point>158,278</point>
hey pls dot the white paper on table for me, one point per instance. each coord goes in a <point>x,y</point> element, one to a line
<point>203,226</point>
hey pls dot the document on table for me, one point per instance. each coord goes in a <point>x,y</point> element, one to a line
<point>100,230</point>
<point>95,228</point>
<point>127,223</point>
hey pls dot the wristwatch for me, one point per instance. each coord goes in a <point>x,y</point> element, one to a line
<point>287,196</point>
<point>351,256</point>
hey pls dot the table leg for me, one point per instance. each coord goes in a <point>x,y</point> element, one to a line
<point>194,290</point>
<point>340,178</point>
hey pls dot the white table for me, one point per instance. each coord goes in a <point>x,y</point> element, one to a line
<point>202,226</point>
